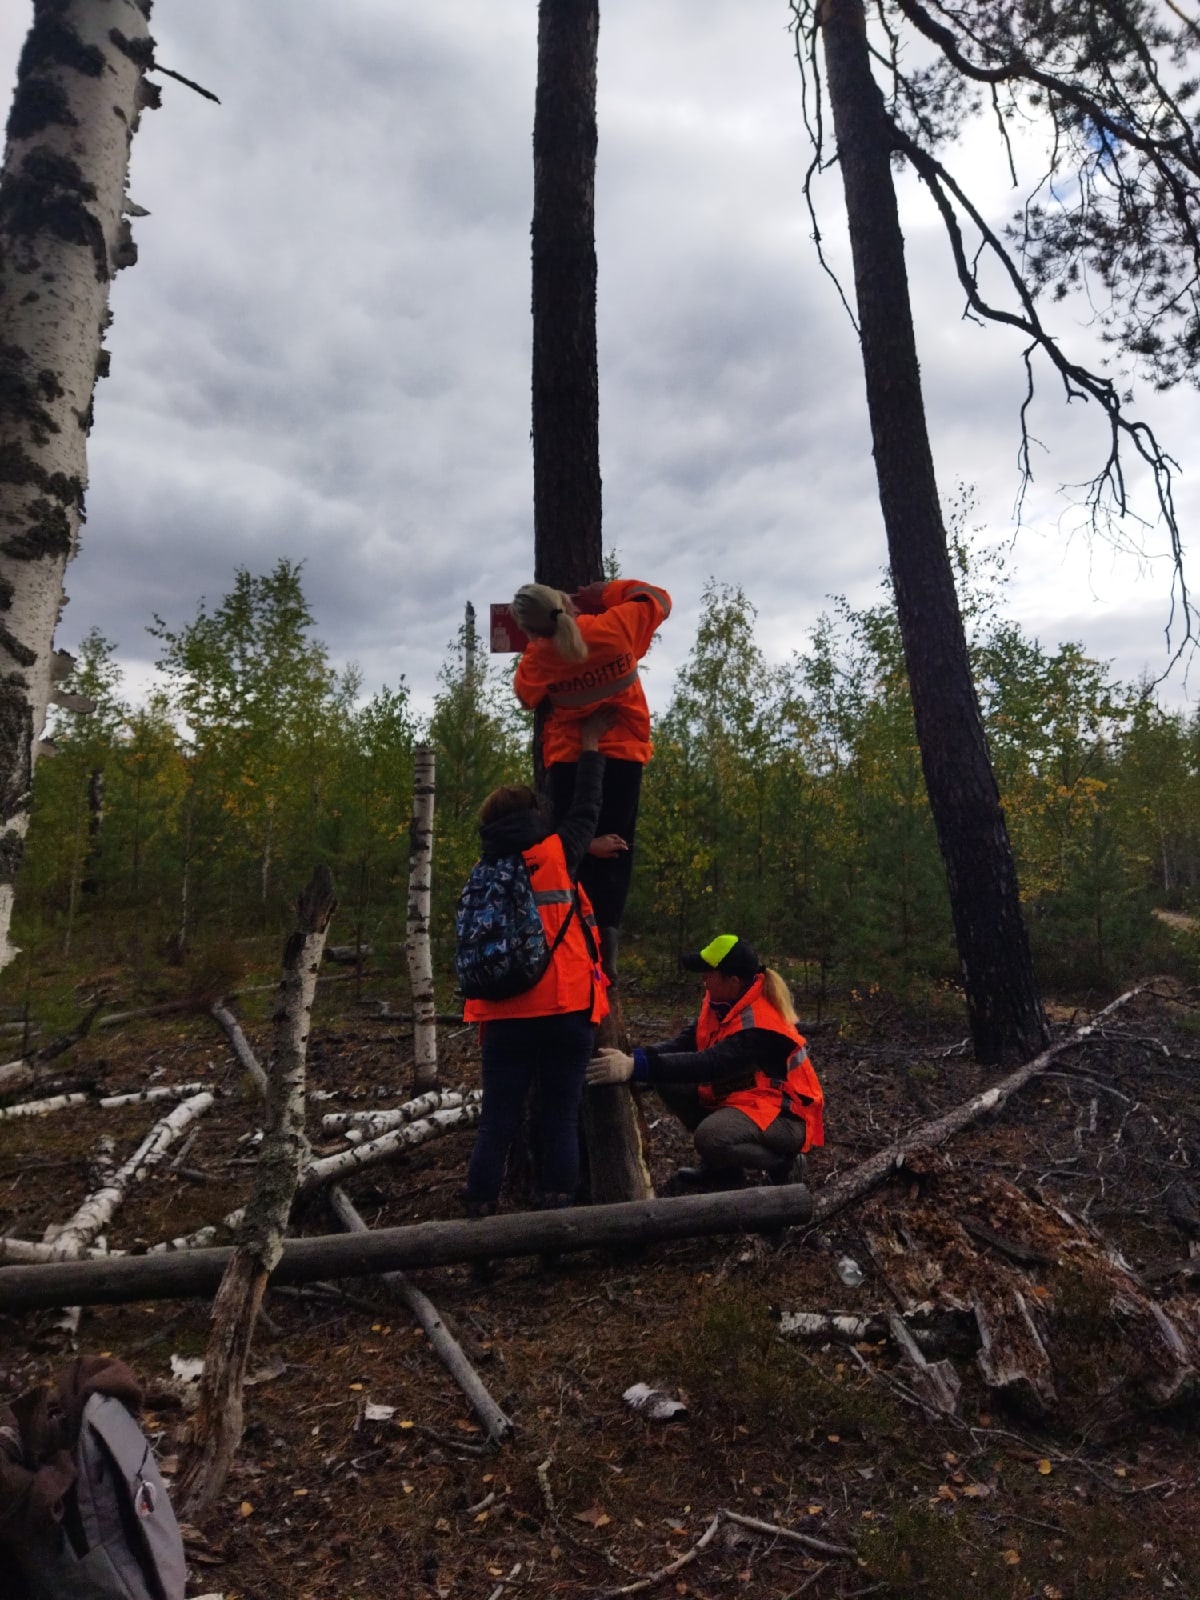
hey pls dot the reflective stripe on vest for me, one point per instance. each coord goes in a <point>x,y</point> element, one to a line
<point>798,1091</point>
<point>589,695</point>
<point>551,897</point>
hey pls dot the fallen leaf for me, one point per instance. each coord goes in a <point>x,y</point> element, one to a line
<point>594,1516</point>
<point>976,1491</point>
<point>356,1387</point>
<point>245,1509</point>
<point>1045,1467</point>
<point>1011,1558</point>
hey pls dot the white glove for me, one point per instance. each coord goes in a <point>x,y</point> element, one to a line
<point>610,1066</point>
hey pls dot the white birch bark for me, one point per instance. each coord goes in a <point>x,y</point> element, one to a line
<point>71,1239</point>
<point>63,235</point>
<point>43,1108</point>
<point>217,1429</point>
<point>420,961</point>
<point>356,1125</point>
<point>60,1102</point>
<point>337,1166</point>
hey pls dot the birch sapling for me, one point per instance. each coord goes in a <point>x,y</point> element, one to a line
<point>420,960</point>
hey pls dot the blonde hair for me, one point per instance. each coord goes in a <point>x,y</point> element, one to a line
<point>541,612</point>
<point>778,993</point>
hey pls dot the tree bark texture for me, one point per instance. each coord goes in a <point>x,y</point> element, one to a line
<point>1003,1004</point>
<point>566,394</point>
<point>63,236</point>
<point>217,1425</point>
<point>417,949</point>
<point>116,1280</point>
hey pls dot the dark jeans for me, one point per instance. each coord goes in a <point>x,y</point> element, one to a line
<point>606,882</point>
<point>726,1137</point>
<point>518,1052</point>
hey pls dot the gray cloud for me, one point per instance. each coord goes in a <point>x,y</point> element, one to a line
<point>323,351</point>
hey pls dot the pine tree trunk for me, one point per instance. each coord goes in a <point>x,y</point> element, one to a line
<point>568,547</point>
<point>566,403</point>
<point>63,236</point>
<point>1003,1004</point>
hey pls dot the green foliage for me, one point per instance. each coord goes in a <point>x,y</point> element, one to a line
<point>785,803</point>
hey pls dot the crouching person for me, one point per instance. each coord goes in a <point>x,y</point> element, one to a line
<point>738,1077</point>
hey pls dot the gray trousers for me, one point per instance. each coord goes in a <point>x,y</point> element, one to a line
<point>728,1138</point>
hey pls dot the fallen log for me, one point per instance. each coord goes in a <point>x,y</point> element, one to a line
<point>869,1174</point>
<point>496,1425</point>
<point>186,1273</point>
<point>240,1045</point>
<point>357,1125</point>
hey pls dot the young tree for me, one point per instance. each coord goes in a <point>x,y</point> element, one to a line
<point>64,234</point>
<point>253,689</point>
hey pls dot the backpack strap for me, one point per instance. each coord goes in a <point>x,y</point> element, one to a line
<point>548,897</point>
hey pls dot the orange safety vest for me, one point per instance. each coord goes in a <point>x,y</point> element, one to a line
<point>573,981</point>
<point>617,639</point>
<point>798,1090</point>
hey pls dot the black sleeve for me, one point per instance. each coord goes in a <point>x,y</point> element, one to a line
<point>729,1064</point>
<point>578,828</point>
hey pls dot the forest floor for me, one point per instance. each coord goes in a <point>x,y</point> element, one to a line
<point>849,1481</point>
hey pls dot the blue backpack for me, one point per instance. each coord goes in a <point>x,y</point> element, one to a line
<point>501,947</point>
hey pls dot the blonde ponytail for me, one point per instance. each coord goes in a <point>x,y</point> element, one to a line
<point>778,993</point>
<point>542,613</point>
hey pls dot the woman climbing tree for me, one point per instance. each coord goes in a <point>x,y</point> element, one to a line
<point>583,652</point>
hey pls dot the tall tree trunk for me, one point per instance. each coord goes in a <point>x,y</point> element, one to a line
<point>568,548</point>
<point>566,404</point>
<point>1005,1010</point>
<point>420,960</point>
<point>63,236</point>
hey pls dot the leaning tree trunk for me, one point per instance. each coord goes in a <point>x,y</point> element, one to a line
<point>63,236</point>
<point>1005,1010</point>
<point>217,1428</point>
<point>568,550</point>
<point>420,959</point>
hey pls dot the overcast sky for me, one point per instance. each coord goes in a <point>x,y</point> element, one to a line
<point>323,350</point>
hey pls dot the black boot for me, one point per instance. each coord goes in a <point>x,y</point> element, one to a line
<point>609,940</point>
<point>789,1170</point>
<point>704,1180</point>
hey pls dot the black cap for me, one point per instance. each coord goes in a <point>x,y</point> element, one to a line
<point>726,954</point>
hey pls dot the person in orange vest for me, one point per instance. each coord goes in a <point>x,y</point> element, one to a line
<point>583,652</point>
<point>544,1035</point>
<point>738,1077</point>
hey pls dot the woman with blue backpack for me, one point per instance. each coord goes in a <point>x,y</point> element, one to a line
<point>537,991</point>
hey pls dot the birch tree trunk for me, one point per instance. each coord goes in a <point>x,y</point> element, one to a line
<point>420,960</point>
<point>63,235</point>
<point>217,1428</point>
